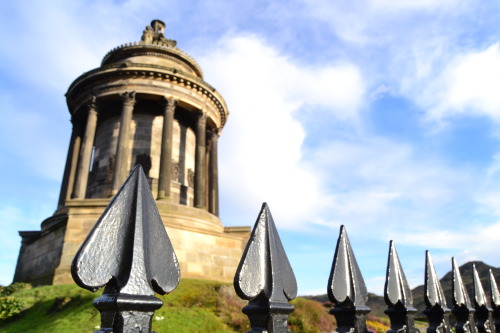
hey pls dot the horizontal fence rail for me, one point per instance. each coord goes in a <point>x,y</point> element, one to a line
<point>128,252</point>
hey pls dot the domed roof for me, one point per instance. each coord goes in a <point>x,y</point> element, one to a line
<point>154,50</point>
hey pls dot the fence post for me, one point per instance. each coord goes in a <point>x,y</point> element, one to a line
<point>483,311</point>
<point>436,310</point>
<point>495,301</point>
<point>265,278</point>
<point>397,295</point>
<point>128,251</point>
<point>462,307</point>
<point>347,289</point>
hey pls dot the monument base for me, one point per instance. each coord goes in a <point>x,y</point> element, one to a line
<point>204,247</point>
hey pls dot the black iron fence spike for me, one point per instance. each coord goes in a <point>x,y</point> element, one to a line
<point>397,295</point>
<point>129,252</point>
<point>479,295</point>
<point>462,307</point>
<point>436,309</point>
<point>396,289</point>
<point>495,300</point>
<point>484,319</point>
<point>347,289</point>
<point>265,278</point>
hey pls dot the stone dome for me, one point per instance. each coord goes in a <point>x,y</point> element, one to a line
<point>156,51</point>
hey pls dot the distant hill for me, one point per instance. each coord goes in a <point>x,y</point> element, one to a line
<point>377,303</point>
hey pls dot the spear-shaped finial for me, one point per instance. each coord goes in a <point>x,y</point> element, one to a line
<point>347,289</point>
<point>484,320</point>
<point>265,278</point>
<point>495,301</point>
<point>129,252</point>
<point>462,307</point>
<point>397,295</point>
<point>436,310</point>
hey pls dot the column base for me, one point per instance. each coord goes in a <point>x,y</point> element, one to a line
<point>164,198</point>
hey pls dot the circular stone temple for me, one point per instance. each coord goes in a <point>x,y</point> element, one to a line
<point>147,104</point>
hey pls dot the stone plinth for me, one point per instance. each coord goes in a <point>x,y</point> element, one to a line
<point>204,247</point>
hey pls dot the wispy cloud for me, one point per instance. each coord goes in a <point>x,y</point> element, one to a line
<point>468,86</point>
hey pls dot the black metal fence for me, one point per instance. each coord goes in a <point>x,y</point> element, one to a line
<point>128,252</point>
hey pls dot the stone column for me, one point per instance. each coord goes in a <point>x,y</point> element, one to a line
<point>200,163</point>
<point>122,149</point>
<point>70,167</point>
<point>86,152</point>
<point>214,174</point>
<point>166,150</point>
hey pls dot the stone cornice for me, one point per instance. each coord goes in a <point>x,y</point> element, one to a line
<point>154,49</point>
<point>85,84</point>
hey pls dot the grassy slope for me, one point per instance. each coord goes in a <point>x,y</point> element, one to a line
<point>195,306</point>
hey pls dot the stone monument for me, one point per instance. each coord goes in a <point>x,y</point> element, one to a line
<point>147,104</point>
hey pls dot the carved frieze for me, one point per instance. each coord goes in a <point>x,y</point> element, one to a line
<point>190,177</point>
<point>201,88</point>
<point>175,170</point>
<point>128,98</point>
<point>110,168</point>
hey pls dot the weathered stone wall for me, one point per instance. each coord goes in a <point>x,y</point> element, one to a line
<point>206,256</point>
<point>145,140</point>
<point>203,246</point>
<point>101,177</point>
<point>38,259</point>
<point>183,159</point>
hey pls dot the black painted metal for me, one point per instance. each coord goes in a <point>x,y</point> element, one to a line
<point>398,297</point>
<point>265,278</point>
<point>347,289</point>
<point>495,301</point>
<point>462,307</point>
<point>484,320</point>
<point>436,309</point>
<point>128,251</point>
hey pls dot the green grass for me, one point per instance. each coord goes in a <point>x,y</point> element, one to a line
<point>194,306</point>
<point>64,308</point>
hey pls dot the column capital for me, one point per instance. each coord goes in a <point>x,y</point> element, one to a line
<point>128,98</point>
<point>92,103</point>
<point>170,103</point>
<point>214,132</point>
<point>74,123</point>
<point>203,115</point>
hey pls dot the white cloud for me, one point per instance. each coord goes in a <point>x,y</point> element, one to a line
<point>264,89</point>
<point>386,22</point>
<point>365,180</point>
<point>469,85</point>
<point>470,242</point>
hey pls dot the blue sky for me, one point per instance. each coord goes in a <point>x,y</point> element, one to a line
<point>380,115</point>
